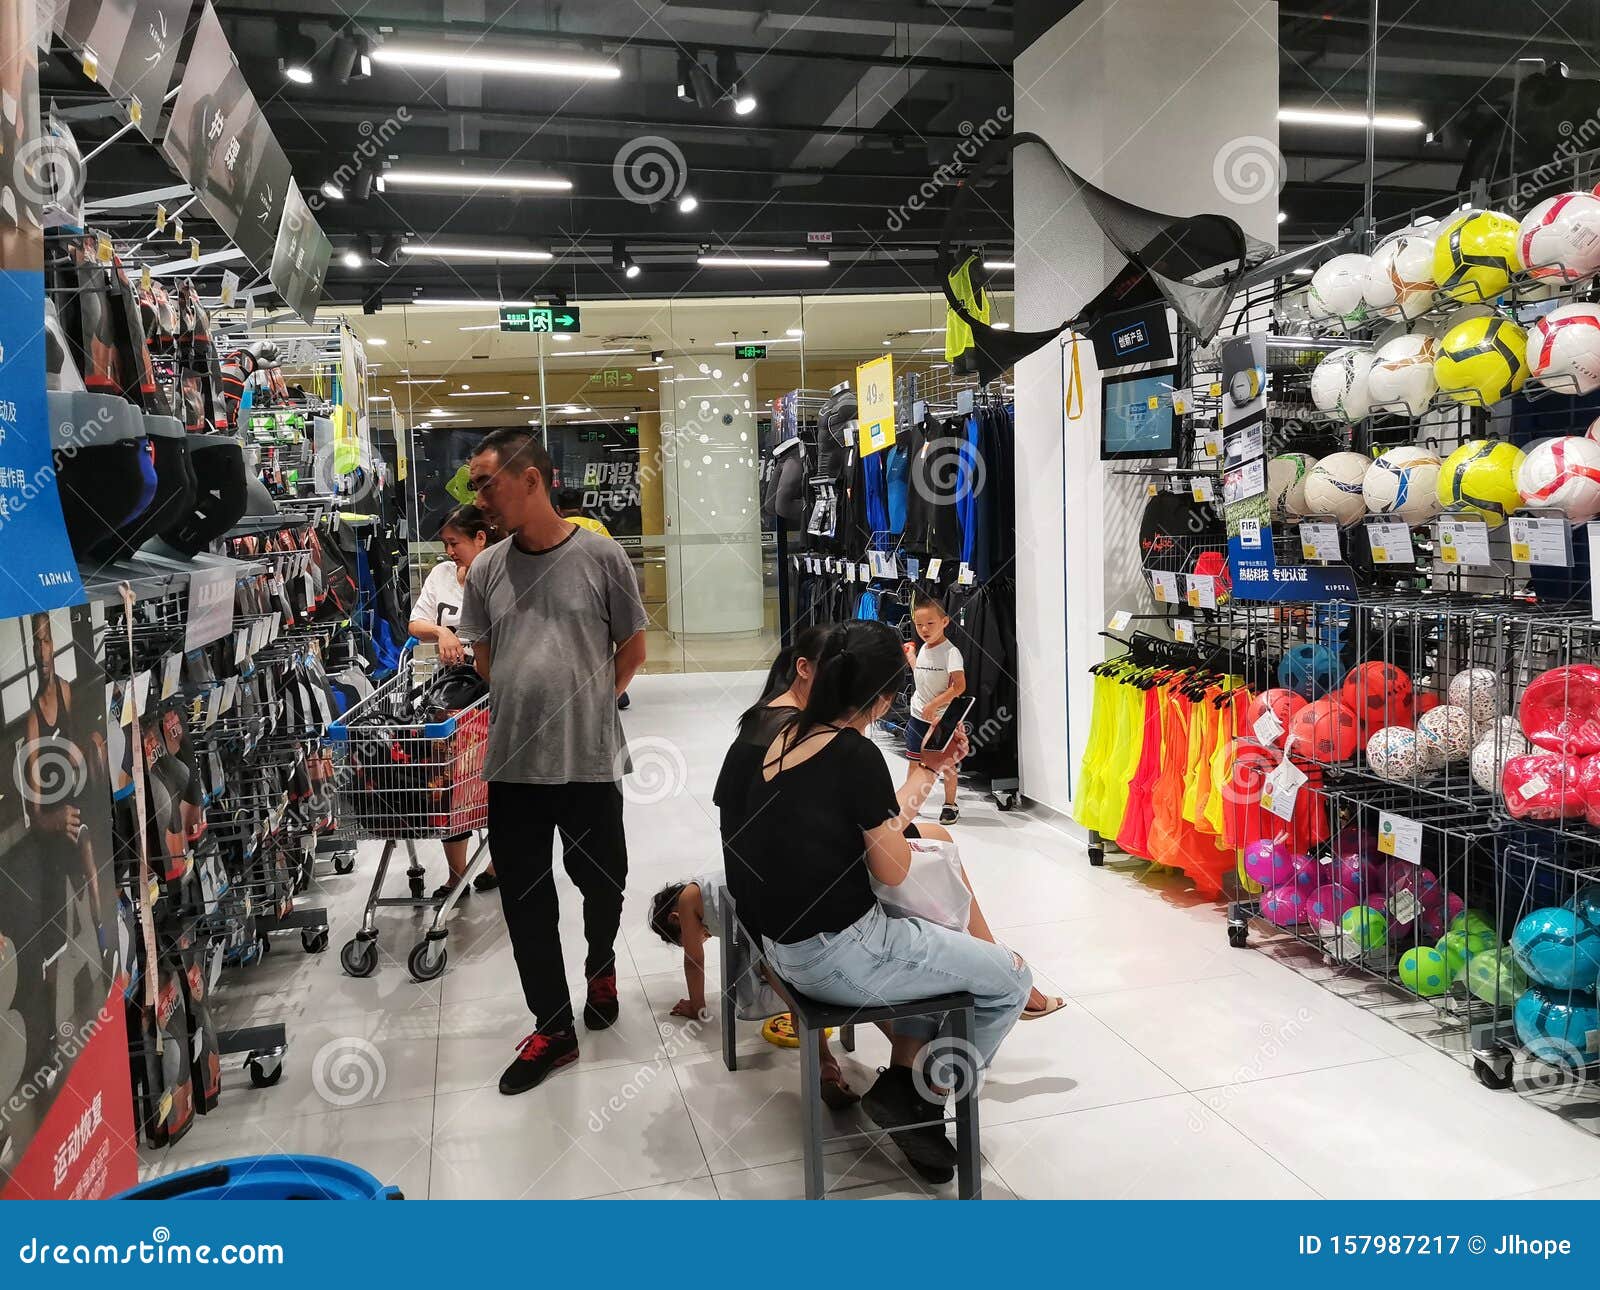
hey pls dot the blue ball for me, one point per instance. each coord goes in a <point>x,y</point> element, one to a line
<point>1559,1026</point>
<point>1311,671</point>
<point>1558,948</point>
<point>1586,903</point>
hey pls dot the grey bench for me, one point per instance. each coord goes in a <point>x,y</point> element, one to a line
<point>741,952</point>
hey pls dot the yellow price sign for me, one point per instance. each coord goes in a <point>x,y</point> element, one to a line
<point>144,277</point>
<point>1194,597</point>
<point>91,64</point>
<point>1216,389</point>
<point>177,230</point>
<point>104,251</point>
<point>1153,402</point>
<point>1521,552</point>
<point>875,405</point>
<point>1381,554</point>
<point>1386,843</point>
<point>1308,551</point>
<point>1150,490</point>
<point>194,249</point>
<point>135,110</point>
<point>161,218</point>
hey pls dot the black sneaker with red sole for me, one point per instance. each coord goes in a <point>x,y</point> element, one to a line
<point>538,1056</point>
<point>600,1010</point>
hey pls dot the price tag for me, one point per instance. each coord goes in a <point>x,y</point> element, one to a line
<point>1202,591</point>
<point>1203,489</point>
<point>913,567</point>
<point>230,692</point>
<point>177,229</point>
<point>1150,490</point>
<point>1390,541</point>
<point>1463,542</point>
<point>1541,541</point>
<point>135,110</point>
<point>1216,390</point>
<point>276,630</point>
<point>1210,443</point>
<point>308,588</point>
<point>1401,838</point>
<point>91,64</point>
<point>104,252</point>
<point>1183,631</point>
<point>1165,588</point>
<point>1153,402</point>
<point>1180,405</point>
<point>1120,620</point>
<point>850,572</point>
<point>1268,728</point>
<point>141,692</point>
<point>1319,540</point>
<point>1280,788</point>
<point>1536,785</point>
<point>144,277</point>
<point>230,286</point>
<point>161,218</point>
<point>934,566</point>
<point>194,249</point>
<point>170,667</point>
<point>965,577</point>
<point>213,705</point>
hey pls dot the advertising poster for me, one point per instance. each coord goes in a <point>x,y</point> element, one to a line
<point>219,141</point>
<point>130,47</point>
<point>300,258</point>
<point>61,955</point>
<point>39,572</point>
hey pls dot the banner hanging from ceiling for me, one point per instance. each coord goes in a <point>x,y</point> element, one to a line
<point>300,258</point>
<point>130,47</point>
<point>219,141</point>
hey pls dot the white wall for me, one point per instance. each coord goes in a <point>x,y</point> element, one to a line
<point>1173,106</point>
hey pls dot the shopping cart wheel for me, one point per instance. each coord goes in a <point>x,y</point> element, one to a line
<point>417,889</point>
<point>1238,935</point>
<point>427,959</point>
<point>359,957</point>
<point>1495,1075</point>
<point>344,862</point>
<point>265,1071</point>
<point>314,940</point>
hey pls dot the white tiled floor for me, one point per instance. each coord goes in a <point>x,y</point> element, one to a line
<point>1180,1068</point>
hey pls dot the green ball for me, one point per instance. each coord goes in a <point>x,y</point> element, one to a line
<point>1425,971</point>
<point>1365,926</point>
<point>1496,977</point>
<point>1458,947</point>
<point>1472,921</point>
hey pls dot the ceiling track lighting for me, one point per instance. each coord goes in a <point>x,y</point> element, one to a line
<point>505,62</point>
<point>464,251</point>
<point>299,55</point>
<point>407,177</point>
<point>622,262</point>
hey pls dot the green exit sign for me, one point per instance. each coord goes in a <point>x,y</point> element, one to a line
<point>749,351</point>
<point>550,318</point>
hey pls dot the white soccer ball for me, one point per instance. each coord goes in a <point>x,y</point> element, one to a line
<point>1286,483</point>
<point>1563,474</point>
<point>1446,731</point>
<point>1401,375</point>
<point>1403,482</point>
<point>1392,753</point>
<point>1560,237</point>
<point>1479,691</point>
<point>1334,487</point>
<point>1339,384</point>
<point>1401,273</point>
<point>1564,349</point>
<point>1337,288</point>
<point>1494,748</point>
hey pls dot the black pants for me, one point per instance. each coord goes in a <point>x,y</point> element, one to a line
<point>523,821</point>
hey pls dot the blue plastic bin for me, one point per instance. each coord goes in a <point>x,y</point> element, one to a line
<point>267,1178</point>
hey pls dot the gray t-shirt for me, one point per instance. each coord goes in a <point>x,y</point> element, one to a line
<point>553,622</point>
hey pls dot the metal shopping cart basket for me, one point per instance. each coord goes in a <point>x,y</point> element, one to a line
<point>404,775</point>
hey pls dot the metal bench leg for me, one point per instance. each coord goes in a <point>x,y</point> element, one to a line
<point>733,960</point>
<point>811,1110</point>
<point>969,1154</point>
<point>847,1038</point>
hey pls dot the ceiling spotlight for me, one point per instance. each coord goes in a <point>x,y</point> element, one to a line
<point>744,102</point>
<point>622,261</point>
<point>1282,216</point>
<point>297,72</point>
<point>332,191</point>
<point>299,53</point>
<point>688,203</point>
<point>631,270</point>
<point>793,331</point>
<point>352,259</point>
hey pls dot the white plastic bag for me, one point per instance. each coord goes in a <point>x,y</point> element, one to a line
<point>933,888</point>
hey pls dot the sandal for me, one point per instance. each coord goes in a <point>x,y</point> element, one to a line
<point>1052,1003</point>
<point>836,1094</point>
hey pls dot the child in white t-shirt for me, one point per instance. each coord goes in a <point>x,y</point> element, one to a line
<point>940,677</point>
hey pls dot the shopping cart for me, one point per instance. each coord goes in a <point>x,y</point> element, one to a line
<point>404,778</point>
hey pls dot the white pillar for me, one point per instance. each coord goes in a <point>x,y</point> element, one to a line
<point>710,457</point>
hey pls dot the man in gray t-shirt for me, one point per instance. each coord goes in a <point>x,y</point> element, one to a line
<point>558,628</point>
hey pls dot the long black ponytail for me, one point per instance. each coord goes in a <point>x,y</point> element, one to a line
<point>861,662</point>
<point>807,644</point>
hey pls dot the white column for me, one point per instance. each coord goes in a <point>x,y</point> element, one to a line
<point>710,456</point>
<point>1172,106</point>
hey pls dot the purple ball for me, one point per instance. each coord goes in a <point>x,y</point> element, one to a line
<point>1307,873</point>
<point>1328,903</point>
<point>1284,906</point>
<point>1267,861</point>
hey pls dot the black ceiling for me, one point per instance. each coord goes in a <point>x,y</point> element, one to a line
<point>860,103</point>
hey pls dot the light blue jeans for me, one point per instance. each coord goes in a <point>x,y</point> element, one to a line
<point>879,959</point>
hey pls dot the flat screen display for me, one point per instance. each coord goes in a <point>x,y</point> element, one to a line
<point>1130,426</point>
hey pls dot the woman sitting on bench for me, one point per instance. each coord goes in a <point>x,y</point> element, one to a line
<point>823,821</point>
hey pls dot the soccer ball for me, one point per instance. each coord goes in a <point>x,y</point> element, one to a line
<point>1402,274</point>
<point>1425,971</point>
<point>1490,754</point>
<point>1563,474</point>
<point>1558,1026</point>
<point>1365,926</point>
<point>1325,731</point>
<point>1447,729</point>
<point>1310,670</point>
<point>1334,487</point>
<point>1402,374</point>
<point>1286,483</point>
<point>1339,385</point>
<point>1564,349</point>
<point>1560,237</point>
<point>1559,948</point>
<point>1482,360</point>
<point>1475,255</point>
<point>1481,476</point>
<point>1379,694</point>
<point>1403,482</point>
<point>1337,288</point>
<point>1478,690</point>
<point>1392,753</point>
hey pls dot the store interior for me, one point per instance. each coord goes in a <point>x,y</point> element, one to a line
<point>1201,399</point>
